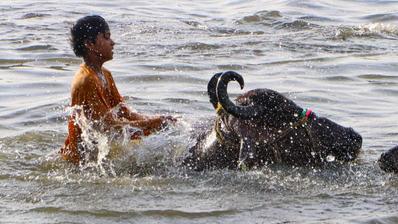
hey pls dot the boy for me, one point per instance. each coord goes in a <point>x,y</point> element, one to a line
<point>94,90</point>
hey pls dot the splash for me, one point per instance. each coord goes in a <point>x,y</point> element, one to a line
<point>94,146</point>
<point>112,152</point>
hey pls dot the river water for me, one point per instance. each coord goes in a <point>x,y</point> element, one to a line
<point>339,58</point>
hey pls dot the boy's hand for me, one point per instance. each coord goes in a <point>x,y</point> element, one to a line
<point>168,119</point>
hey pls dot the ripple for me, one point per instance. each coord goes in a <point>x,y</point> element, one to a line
<point>339,78</point>
<point>265,17</point>
<point>32,86</point>
<point>388,92</point>
<point>136,213</point>
<point>277,21</point>
<point>316,18</point>
<point>34,15</point>
<point>377,77</point>
<point>195,24</point>
<point>35,115</point>
<point>384,17</point>
<point>37,48</point>
<point>9,63</point>
<point>162,78</point>
<point>331,48</point>
<point>373,30</point>
<point>175,67</point>
<point>197,46</point>
<point>391,219</point>
<point>297,25</point>
<point>179,100</point>
<point>14,61</point>
<point>233,67</point>
<point>222,31</point>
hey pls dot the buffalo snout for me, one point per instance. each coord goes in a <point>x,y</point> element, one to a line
<point>389,160</point>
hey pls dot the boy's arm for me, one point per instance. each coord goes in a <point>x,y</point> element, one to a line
<point>145,122</point>
<point>117,100</point>
<point>125,112</point>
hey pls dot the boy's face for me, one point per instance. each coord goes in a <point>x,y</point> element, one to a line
<point>102,47</point>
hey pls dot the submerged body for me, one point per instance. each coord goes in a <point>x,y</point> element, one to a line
<point>266,127</point>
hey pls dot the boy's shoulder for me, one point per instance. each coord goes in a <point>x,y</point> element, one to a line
<point>107,73</point>
<point>106,70</point>
<point>82,77</point>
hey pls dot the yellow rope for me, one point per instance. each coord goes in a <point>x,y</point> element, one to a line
<point>219,108</point>
<point>217,125</point>
<point>217,128</point>
<point>136,141</point>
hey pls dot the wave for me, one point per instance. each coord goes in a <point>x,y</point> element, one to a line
<point>384,17</point>
<point>276,20</point>
<point>198,46</point>
<point>46,47</point>
<point>164,78</point>
<point>166,213</point>
<point>263,17</point>
<point>33,15</point>
<point>296,24</point>
<point>377,77</point>
<point>332,47</point>
<point>377,30</point>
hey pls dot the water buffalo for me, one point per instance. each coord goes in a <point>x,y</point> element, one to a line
<point>265,127</point>
<point>389,160</point>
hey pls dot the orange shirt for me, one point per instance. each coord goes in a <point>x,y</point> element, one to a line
<point>96,100</point>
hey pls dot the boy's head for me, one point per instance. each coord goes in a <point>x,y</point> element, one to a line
<point>86,30</point>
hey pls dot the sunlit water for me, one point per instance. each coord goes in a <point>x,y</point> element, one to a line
<point>338,58</point>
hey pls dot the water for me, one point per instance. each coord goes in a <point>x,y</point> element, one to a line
<point>338,58</point>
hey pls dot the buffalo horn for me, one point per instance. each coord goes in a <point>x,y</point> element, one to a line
<point>242,112</point>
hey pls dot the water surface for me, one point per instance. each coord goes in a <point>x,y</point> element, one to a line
<point>337,57</point>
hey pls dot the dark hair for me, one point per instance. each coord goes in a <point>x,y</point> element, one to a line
<point>86,29</point>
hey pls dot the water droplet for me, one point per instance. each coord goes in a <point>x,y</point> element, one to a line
<point>330,158</point>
